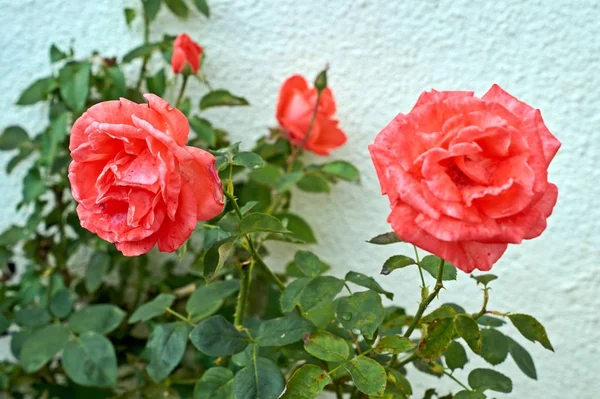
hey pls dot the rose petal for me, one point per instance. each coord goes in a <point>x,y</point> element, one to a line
<point>83,176</point>
<point>177,125</point>
<point>204,180</point>
<point>174,233</point>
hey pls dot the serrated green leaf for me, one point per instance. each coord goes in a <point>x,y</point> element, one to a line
<point>456,356</point>
<point>469,395</point>
<point>438,337</point>
<point>308,263</point>
<point>261,222</point>
<point>140,51</point>
<point>396,262</point>
<point>398,385</point>
<point>495,346</point>
<point>306,383</point>
<point>13,137</point>
<point>216,256</point>
<point>343,170</point>
<point>216,336</point>
<point>484,379</point>
<point>313,183</point>
<point>166,347</point>
<point>37,91</point>
<point>216,383</point>
<point>74,84</point>
<point>268,175</point>
<point>178,7</point>
<point>95,270</point>
<point>326,346</point>
<point>90,360</point>
<point>431,264</point>
<point>33,317</point>
<point>202,6</point>
<point>368,375</point>
<point>287,181</point>
<point>154,308</point>
<point>261,379</point>
<point>490,321</point>
<point>467,329</point>
<point>292,293</point>
<point>248,160</point>
<point>61,303</point>
<point>368,282</point>
<point>298,226</point>
<point>102,319</point>
<point>362,311</point>
<point>283,330</point>
<point>151,8</point>
<point>522,358</point>
<point>394,345</point>
<point>219,98</point>
<point>531,329</point>
<point>484,279</point>
<point>41,346</point>
<point>207,299</point>
<point>320,289</point>
<point>442,312</point>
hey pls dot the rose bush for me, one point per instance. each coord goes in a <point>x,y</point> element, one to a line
<point>136,182</point>
<point>467,176</point>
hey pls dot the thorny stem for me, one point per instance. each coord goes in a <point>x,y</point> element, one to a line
<point>182,90</point>
<point>427,301</point>
<point>298,150</point>
<point>242,298</point>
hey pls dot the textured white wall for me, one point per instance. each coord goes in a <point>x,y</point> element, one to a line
<point>382,55</point>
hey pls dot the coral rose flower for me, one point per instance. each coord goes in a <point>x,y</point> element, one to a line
<point>186,52</point>
<point>467,176</point>
<point>136,182</point>
<point>295,111</point>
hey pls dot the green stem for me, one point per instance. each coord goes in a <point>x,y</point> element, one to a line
<point>457,381</point>
<point>484,306</point>
<point>298,150</point>
<point>242,298</point>
<point>408,360</point>
<point>181,317</point>
<point>181,90</point>
<point>339,391</point>
<point>419,266</point>
<point>146,57</point>
<point>423,305</point>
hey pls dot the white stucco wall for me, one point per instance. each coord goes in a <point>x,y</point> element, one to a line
<point>383,54</point>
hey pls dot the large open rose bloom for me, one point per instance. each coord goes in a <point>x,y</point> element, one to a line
<point>295,110</point>
<point>136,182</point>
<point>467,176</point>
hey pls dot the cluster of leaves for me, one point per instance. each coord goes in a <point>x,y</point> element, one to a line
<point>213,321</point>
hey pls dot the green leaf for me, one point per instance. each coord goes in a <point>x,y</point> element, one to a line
<point>90,360</point>
<point>154,308</point>
<point>178,7</point>
<point>368,375</point>
<point>283,330</point>
<point>4,324</point>
<point>157,83</point>
<point>207,299</point>
<point>326,346</point>
<point>24,153</point>
<point>442,312</point>
<point>313,183</point>
<point>57,54</point>
<point>287,181</point>
<point>531,329</point>
<point>495,346</point>
<point>490,321</point>
<point>431,264</point>
<point>368,282</point>
<point>12,235</point>
<point>467,329</point>
<point>396,262</point>
<point>141,51</point>
<point>166,347</point>
<point>362,311</point>
<point>32,317</point>
<point>202,6</point>
<point>151,8</point>
<point>248,160</point>
<point>394,345</point>
<point>52,139</point>
<point>484,379</point>
<point>204,130</point>
<point>342,169</point>
<point>320,289</point>
<point>219,98</point>
<point>308,263</point>
<point>268,175</point>
<point>456,356</point>
<point>37,91</point>
<point>522,358</point>
<point>216,383</point>
<point>298,226</point>
<point>306,383</point>
<point>484,279</point>
<point>61,303</point>
<point>256,222</point>
<point>321,315</point>
<point>129,15</point>
<point>216,336</point>
<point>41,346</point>
<point>438,337</point>
<point>99,318</point>
<point>402,386</point>
<point>95,270</point>
<point>74,84</point>
<point>216,256</point>
<point>385,239</point>
<point>292,293</point>
<point>33,186</point>
<point>13,137</point>
<point>261,379</point>
<point>469,395</point>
